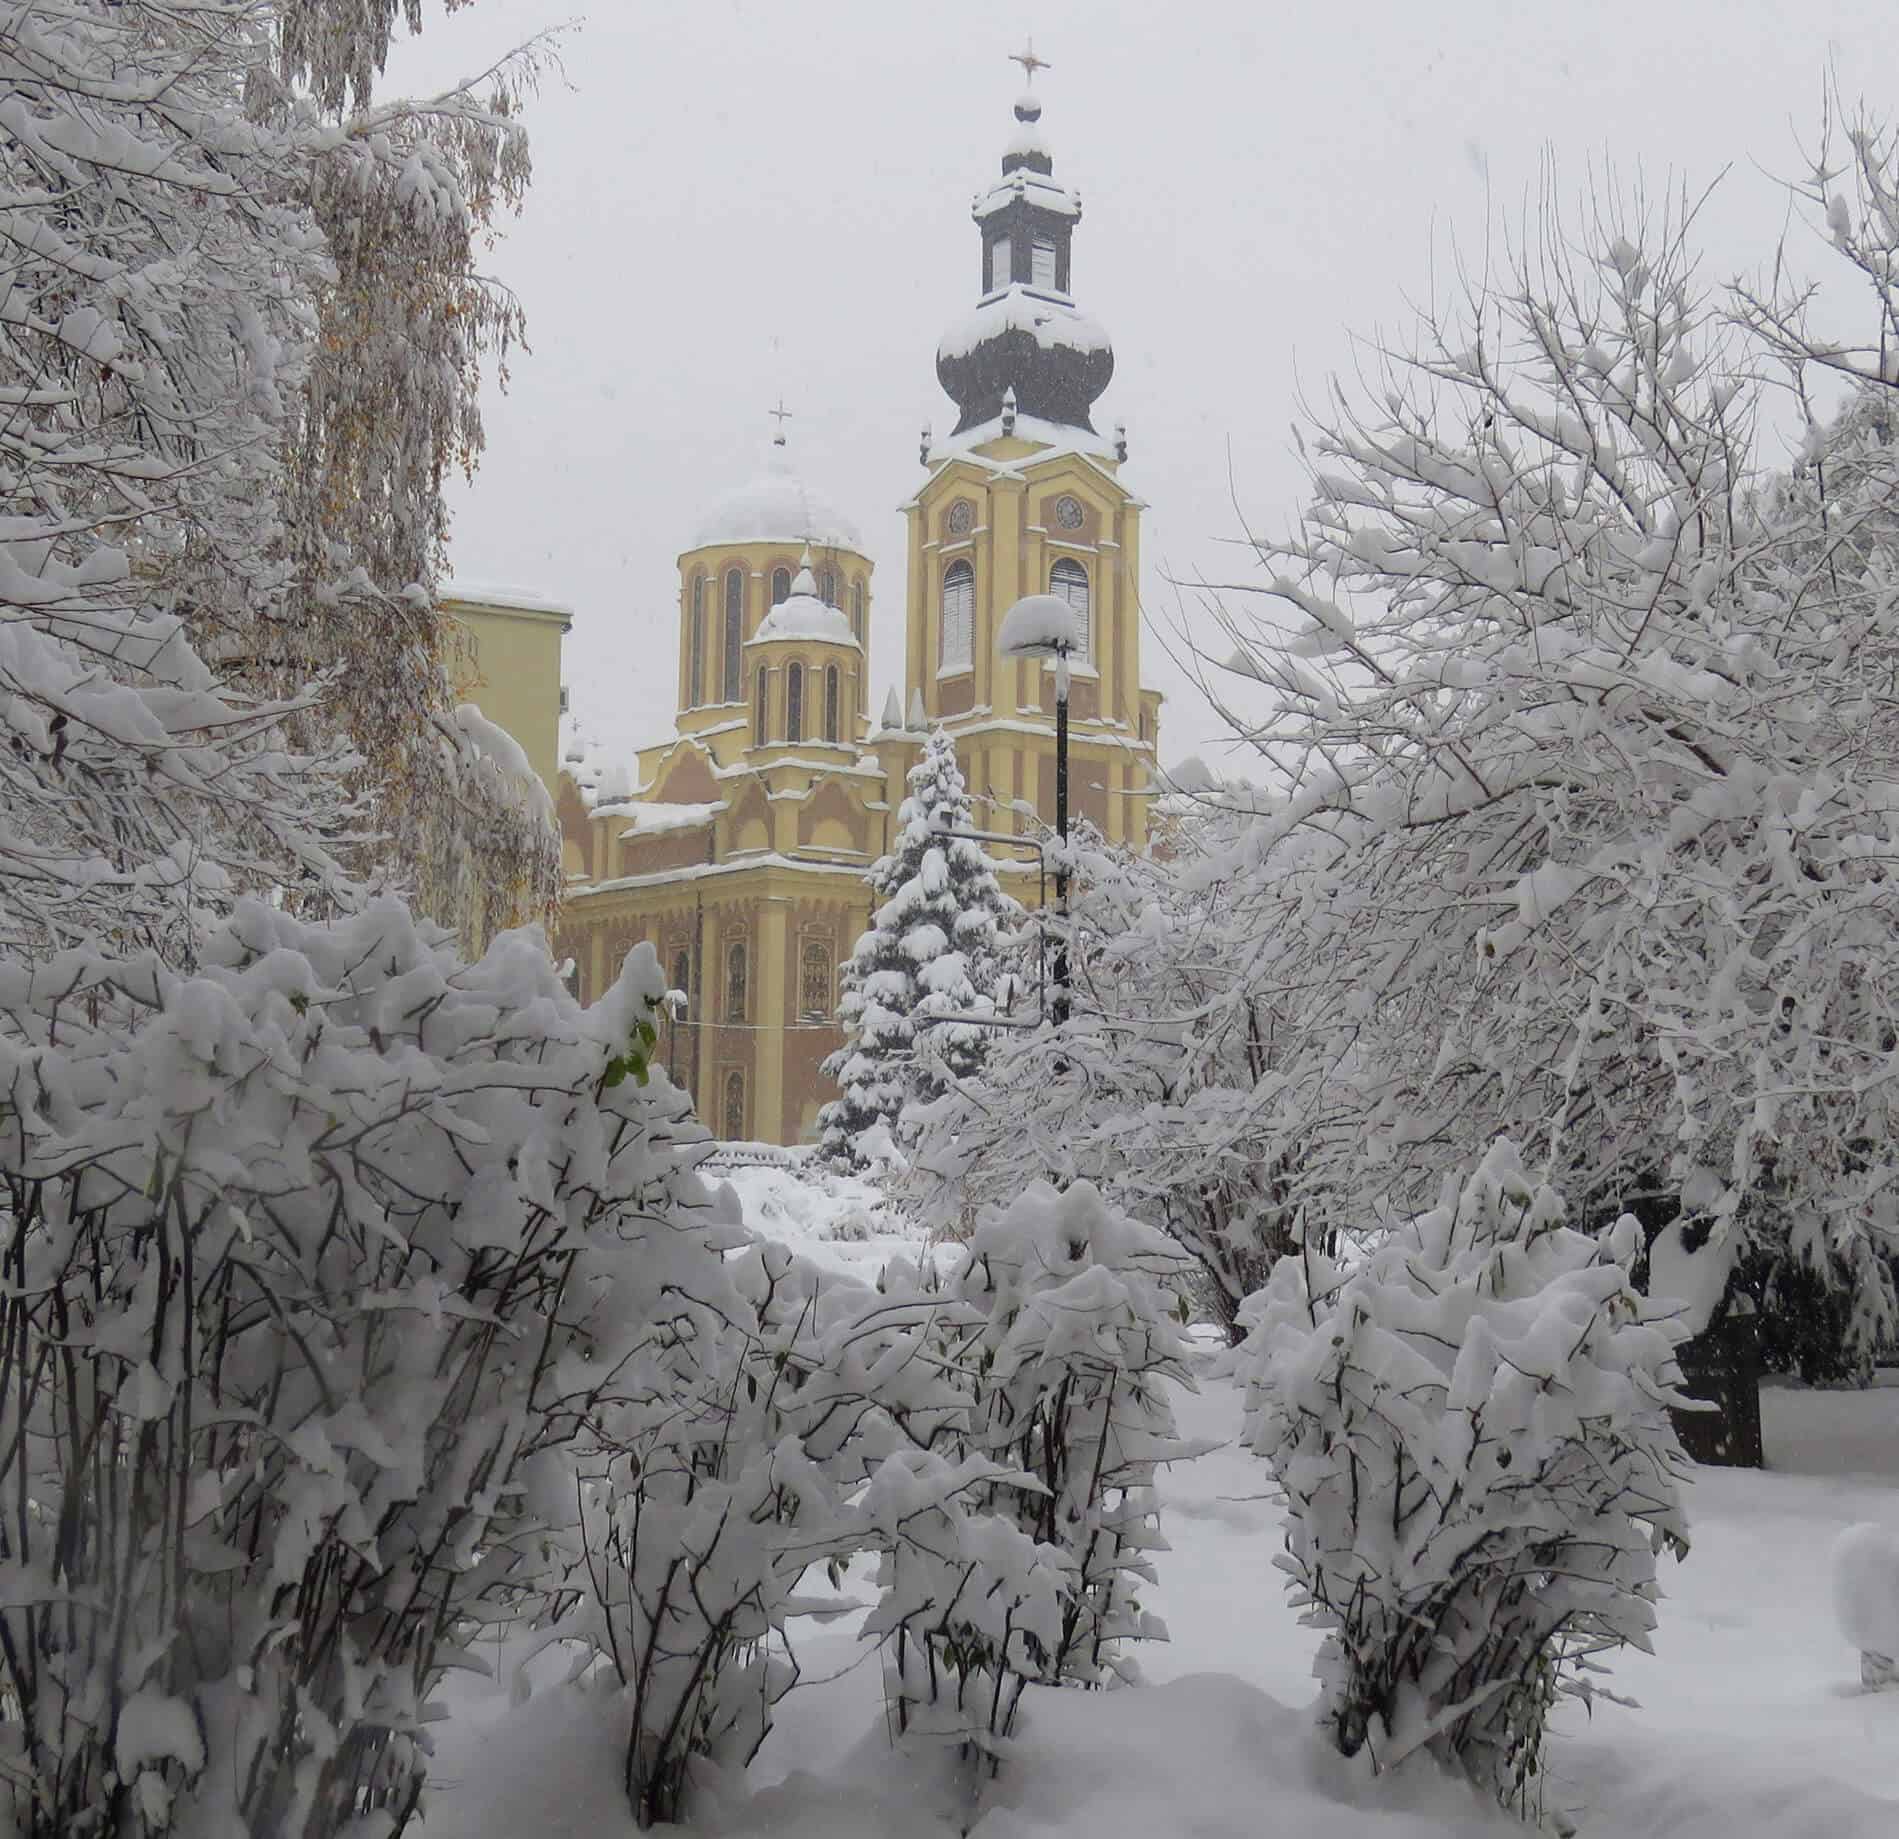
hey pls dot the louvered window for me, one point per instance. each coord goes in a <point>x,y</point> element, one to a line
<point>998,265</point>
<point>959,616</point>
<point>1070,580</point>
<point>1042,264</point>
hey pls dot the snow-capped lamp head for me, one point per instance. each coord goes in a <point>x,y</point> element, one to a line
<point>1042,626</point>
<point>923,446</point>
<point>1008,410</point>
<point>1025,333</point>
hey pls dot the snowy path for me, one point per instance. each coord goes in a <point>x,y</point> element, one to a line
<point>1752,1726</point>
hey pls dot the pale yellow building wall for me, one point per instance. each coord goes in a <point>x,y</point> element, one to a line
<point>1012,550</point>
<point>513,673</point>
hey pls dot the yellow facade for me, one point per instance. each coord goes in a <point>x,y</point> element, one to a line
<point>511,669</point>
<point>993,508</point>
<point>740,851</point>
<point>738,845</point>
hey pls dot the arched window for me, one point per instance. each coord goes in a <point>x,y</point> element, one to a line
<point>816,963</point>
<point>998,264</point>
<point>735,1107</point>
<point>959,616</point>
<point>696,646</point>
<point>734,634</point>
<point>780,585</point>
<point>827,586</point>
<point>832,688</point>
<point>682,972</point>
<point>761,713</point>
<point>1070,580</point>
<point>857,611</point>
<point>735,981</point>
<point>794,703</point>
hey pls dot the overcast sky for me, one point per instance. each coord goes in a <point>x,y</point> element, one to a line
<point>738,198</point>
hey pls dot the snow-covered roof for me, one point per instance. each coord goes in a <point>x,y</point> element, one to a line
<point>656,818</point>
<point>1192,774</point>
<point>804,616</point>
<point>777,506</point>
<point>1038,188</point>
<point>1057,437</point>
<point>511,599</point>
<point>1052,319</point>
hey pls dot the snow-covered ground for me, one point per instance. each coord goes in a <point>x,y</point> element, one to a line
<point>1752,1721</point>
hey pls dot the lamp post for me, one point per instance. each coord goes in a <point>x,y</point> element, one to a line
<point>1044,626</point>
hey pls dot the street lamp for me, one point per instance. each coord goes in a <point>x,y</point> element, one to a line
<point>1044,626</point>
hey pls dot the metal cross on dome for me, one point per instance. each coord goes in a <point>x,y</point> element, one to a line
<point>1030,62</point>
<point>780,415</point>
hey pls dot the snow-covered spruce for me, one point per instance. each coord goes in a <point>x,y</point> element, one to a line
<point>932,950</point>
<point>1081,1326</point>
<point>1472,1436</point>
<point>319,1256</point>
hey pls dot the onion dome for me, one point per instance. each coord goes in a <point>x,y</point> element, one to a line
<point>777,507</point>
<point>1026,349</point>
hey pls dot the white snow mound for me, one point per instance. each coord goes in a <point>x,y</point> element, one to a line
<point>1866,1588</point>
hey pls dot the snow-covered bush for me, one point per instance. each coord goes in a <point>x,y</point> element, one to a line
<point>932,951</point>
<point>316,1258</point>
<point>1865,1566</point>
<point>970,1606</point>
<point>1471,1432</point>
<point>1080,1328</point>
<point>1162,1088</point>
<point>700,1512</point>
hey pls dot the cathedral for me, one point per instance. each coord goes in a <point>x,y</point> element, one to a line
<point>738,843</point>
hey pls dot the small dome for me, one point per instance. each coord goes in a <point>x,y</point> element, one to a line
<point>804,616</point>
<point>777,507</point>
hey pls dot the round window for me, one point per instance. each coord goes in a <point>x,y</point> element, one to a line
<point>1069,514</point>
<point>962,517</point>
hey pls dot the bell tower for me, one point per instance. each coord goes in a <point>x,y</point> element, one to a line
<point>1026,497</point>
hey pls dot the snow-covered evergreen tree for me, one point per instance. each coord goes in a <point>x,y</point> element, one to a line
<point>933,949</point>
